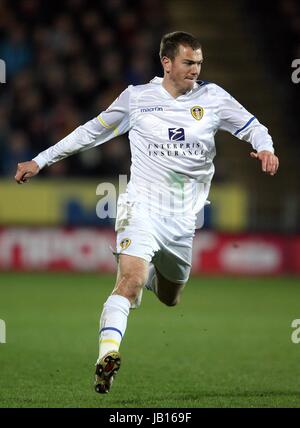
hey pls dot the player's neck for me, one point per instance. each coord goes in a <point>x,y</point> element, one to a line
<point>171,88</point>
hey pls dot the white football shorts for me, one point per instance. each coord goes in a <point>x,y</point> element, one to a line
<point>164,241</point>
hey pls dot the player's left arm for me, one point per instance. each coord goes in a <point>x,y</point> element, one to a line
<point>235,119</point>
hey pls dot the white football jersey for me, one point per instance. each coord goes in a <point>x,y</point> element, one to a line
<point>171,140</point>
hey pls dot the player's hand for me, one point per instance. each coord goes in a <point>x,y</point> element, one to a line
<point>269,161</point>
<point>26,170</point>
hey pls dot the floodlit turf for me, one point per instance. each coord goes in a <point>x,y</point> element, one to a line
<point>228,344</point>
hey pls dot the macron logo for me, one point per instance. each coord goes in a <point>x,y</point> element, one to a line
<point>176,134</point>
<point>151,109</point>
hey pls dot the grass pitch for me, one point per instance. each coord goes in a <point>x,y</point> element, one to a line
<point>228,344</point>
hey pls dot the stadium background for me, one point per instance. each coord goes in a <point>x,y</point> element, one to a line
<point>65,62</point>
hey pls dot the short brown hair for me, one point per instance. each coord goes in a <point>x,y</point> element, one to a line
<point>170,42</point>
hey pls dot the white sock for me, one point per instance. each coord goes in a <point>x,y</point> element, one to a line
<point>113,322</point>
<point>151,283</point>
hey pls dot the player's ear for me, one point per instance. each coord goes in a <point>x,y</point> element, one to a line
<point>166,63</point>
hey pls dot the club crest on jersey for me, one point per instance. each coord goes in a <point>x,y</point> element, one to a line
<point>197,112</point>
<point>125,243</point>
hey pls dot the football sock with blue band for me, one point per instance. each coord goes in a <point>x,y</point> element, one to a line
<point>113,323</point>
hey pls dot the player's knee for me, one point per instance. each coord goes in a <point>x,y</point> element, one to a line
<point>134,279</point>
<point>130,285</point>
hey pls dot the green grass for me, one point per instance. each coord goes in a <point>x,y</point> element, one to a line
<point>228,344</point>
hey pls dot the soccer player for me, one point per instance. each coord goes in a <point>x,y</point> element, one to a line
<point>171,122</point>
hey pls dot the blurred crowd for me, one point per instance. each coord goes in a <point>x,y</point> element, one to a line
<point>290,12</point>
<point>66,62</point>
<point>279,23</point>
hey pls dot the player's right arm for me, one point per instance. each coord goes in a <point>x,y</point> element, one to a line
<point>110,123</point>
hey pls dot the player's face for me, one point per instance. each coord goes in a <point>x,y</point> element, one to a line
<point>184,70</point>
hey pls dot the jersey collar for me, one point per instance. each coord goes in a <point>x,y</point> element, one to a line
<point>158,81</point>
